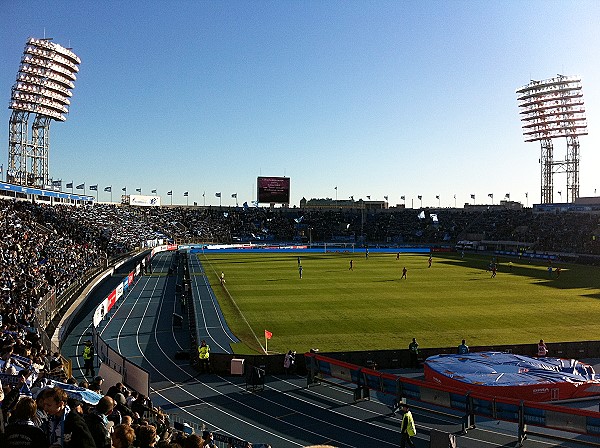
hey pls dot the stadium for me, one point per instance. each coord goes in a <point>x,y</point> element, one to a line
<point>268,324</point>
<point>65,247</point>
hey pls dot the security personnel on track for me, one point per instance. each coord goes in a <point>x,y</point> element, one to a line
<point>88,359</point>
<point>408,428</point>
<point>203,356</point>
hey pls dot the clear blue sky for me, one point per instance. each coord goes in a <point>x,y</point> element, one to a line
<point>378,98</point>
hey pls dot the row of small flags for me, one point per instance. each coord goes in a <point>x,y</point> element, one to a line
<point>490,195</point>
<point>437,196</point>
<point>369,197</point>
<point>58,183</point>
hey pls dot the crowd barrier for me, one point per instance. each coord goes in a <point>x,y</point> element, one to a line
<point>524,414</point>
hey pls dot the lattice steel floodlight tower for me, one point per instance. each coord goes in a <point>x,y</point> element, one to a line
<point>551,109</point>
<point>42,91</point>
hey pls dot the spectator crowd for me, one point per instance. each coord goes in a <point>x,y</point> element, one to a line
<point>49,417</point>
<point>557,232</point>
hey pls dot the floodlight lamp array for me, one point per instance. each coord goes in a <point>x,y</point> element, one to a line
<point>552,108</point>
<point>45,79</point>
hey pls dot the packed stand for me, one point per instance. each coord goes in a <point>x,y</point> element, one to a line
<point>34,260</point>
<point>47,248</point>
<point>564,232</point>
<point>58,417</point>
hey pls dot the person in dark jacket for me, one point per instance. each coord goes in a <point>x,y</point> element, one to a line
<point>66,429</point>
<point>96,384</point>
<point>21,431</point>
<point>121,405</point>
<point>114,390</point>
<point>140,405</point>
<point>97,422</point>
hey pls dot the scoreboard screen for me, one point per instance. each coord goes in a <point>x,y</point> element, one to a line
<point>274,190</point>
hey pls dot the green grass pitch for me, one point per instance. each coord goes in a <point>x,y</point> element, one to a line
<point>370,307</point>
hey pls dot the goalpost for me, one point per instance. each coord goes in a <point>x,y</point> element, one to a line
<point>337,247</point>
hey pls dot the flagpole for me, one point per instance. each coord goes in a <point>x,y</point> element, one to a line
<point>268,335</point>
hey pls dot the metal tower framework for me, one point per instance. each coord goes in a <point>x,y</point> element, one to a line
<point>546,164</point>
<point>551,109</point>
<point>41,94</point>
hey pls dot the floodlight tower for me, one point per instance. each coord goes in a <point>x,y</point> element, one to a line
<point>41,92</point>
<point>550,109</point>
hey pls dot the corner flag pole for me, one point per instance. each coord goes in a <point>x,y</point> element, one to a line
<point>268,335</point>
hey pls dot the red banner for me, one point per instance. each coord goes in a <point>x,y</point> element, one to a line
<point>112,298</point>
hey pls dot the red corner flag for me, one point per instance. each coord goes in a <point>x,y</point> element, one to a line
<point>268,334</point>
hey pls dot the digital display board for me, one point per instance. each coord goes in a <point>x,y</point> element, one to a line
<point>274,190</point>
